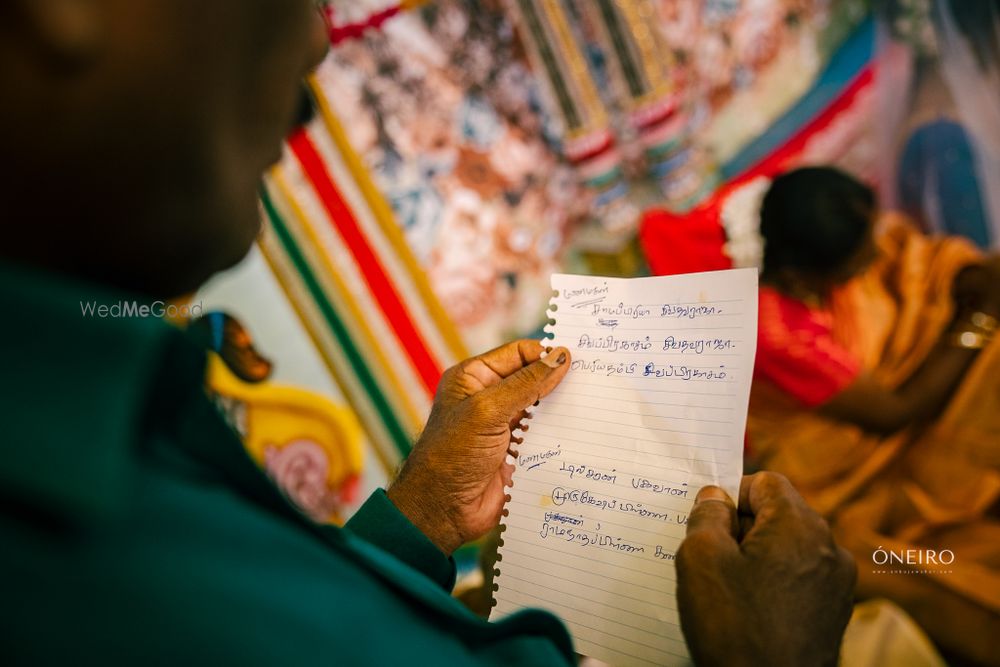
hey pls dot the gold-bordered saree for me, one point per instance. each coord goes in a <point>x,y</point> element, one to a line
<point>932,487</point>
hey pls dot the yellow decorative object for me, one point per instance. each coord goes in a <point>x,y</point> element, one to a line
<point>580,76</point>
<point>310,446</point>
<point>640,18</point>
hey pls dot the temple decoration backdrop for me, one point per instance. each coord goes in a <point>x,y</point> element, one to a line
<point>463,151</point>
<point>515,138</point>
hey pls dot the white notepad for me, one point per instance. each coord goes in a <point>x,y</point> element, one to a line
<point>653,408</point>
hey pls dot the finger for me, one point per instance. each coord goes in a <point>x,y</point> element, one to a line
<point>764,490</point>
<point>710,532</point>
<point>486,370</point>
<point>507,359</point>
<point>713,513</point>
<point>531,383</point>
<point>778,511</point>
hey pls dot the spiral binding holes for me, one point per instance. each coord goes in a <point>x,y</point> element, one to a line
<point>551,314</point>
<point>518,435</point>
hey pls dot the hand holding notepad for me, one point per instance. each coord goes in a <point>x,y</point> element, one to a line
<point>653,408</point>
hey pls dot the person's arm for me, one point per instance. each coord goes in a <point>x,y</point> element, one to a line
<point>925,393</point>
<point>875,408</point>
<point>380,523</point>
<point>765,586</point>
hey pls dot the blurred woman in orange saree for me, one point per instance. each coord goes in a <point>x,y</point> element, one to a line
<point>877,392</point>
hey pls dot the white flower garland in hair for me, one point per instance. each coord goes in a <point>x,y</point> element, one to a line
<point>911,23</point>
<point>741,219</point>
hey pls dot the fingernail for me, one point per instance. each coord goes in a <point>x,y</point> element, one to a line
<point>711,493</point>
<point>554,360</point>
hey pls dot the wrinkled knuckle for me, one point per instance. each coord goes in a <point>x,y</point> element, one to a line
<point>784,507</point>
<point>448,377</point>
<point>483,402</point>
<point>535,373</point>
<point>526,384</point>
<point>777,484</point>
<point>480,406</point>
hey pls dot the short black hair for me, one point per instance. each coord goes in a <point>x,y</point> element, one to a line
<point>814,218</point>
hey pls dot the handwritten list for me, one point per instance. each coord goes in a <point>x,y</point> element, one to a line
<point>653,408</point>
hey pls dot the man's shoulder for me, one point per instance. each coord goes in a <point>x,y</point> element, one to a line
<point>196,569</point>
<point>193,568</point>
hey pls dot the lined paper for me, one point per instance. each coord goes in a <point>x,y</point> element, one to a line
<point>653,408</point>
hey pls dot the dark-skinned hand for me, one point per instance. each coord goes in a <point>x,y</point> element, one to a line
<point>765,586</point>
<point>452,485</point>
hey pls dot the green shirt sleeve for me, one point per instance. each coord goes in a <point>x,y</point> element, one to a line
<point>379,522</point>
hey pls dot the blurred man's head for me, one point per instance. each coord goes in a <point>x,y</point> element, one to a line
<point>817,224</point>
<point>135,131</point>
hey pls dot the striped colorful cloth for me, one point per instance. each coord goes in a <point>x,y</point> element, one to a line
<point>335,248</point>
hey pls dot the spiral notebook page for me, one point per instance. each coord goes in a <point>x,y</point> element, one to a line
<point>653,408</point>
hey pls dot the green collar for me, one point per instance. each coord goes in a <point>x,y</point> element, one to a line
<point>78,393</point>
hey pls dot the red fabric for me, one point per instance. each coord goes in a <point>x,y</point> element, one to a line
<point>687,243</point>
<point>374,273</point>
<point>339,33</point>
<point>797,352</point>
<point>694,241</point>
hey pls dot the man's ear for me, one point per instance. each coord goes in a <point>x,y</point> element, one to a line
<point>67,34</point>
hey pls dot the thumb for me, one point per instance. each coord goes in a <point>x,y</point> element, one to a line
<point>713,516</point>
<point>523,388</point>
